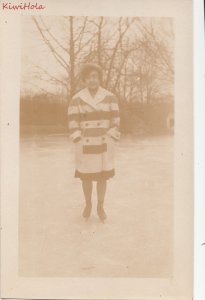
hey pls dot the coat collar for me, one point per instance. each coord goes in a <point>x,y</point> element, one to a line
<point>93,101</point>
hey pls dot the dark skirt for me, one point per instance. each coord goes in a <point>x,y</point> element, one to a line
<point>104,175</point>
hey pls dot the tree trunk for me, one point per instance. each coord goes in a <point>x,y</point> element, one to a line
<point>99,46</point>
<point>72,59</point>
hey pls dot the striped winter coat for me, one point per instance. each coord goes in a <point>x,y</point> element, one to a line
<point>94,127</point>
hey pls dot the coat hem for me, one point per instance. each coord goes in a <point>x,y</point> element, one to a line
<point>105,175</point>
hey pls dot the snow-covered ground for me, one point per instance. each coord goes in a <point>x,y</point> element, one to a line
<point>135,241</point>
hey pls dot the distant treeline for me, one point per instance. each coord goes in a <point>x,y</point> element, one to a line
<point>48,113</point>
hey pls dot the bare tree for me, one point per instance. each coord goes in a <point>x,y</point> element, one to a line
<point>135,54</point>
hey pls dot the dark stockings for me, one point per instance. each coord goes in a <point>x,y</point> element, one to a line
<point>87,190</point>
<point>101,189</point>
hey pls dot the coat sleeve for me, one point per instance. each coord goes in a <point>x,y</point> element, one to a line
<point>114,131</point>
<point>74,121</point>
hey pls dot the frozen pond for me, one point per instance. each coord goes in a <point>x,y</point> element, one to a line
<point>135,241</point>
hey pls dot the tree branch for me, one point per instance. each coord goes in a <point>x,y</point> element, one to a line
<point>56,55</point>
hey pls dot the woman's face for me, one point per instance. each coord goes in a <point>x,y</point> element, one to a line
<point>92,80</point>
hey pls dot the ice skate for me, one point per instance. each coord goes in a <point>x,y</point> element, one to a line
<point>101,213</point>
<point>87,211</point>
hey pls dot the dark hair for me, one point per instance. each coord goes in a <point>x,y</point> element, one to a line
<point>89,67</point>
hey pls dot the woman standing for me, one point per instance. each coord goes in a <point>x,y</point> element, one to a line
<point>94,126</point>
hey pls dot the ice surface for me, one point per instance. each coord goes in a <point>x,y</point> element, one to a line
<point>135,241</point>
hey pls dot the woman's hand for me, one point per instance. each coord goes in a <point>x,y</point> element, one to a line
<point>114,133</point>
<point>77,139</point>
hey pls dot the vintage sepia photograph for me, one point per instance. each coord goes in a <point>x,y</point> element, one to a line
<point>97,137</point>
<point>97,118</point>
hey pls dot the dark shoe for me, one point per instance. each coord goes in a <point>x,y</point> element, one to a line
<point>101,212</point>
<point>87,210</point>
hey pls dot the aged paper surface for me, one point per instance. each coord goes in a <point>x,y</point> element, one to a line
<point>144,248</point>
